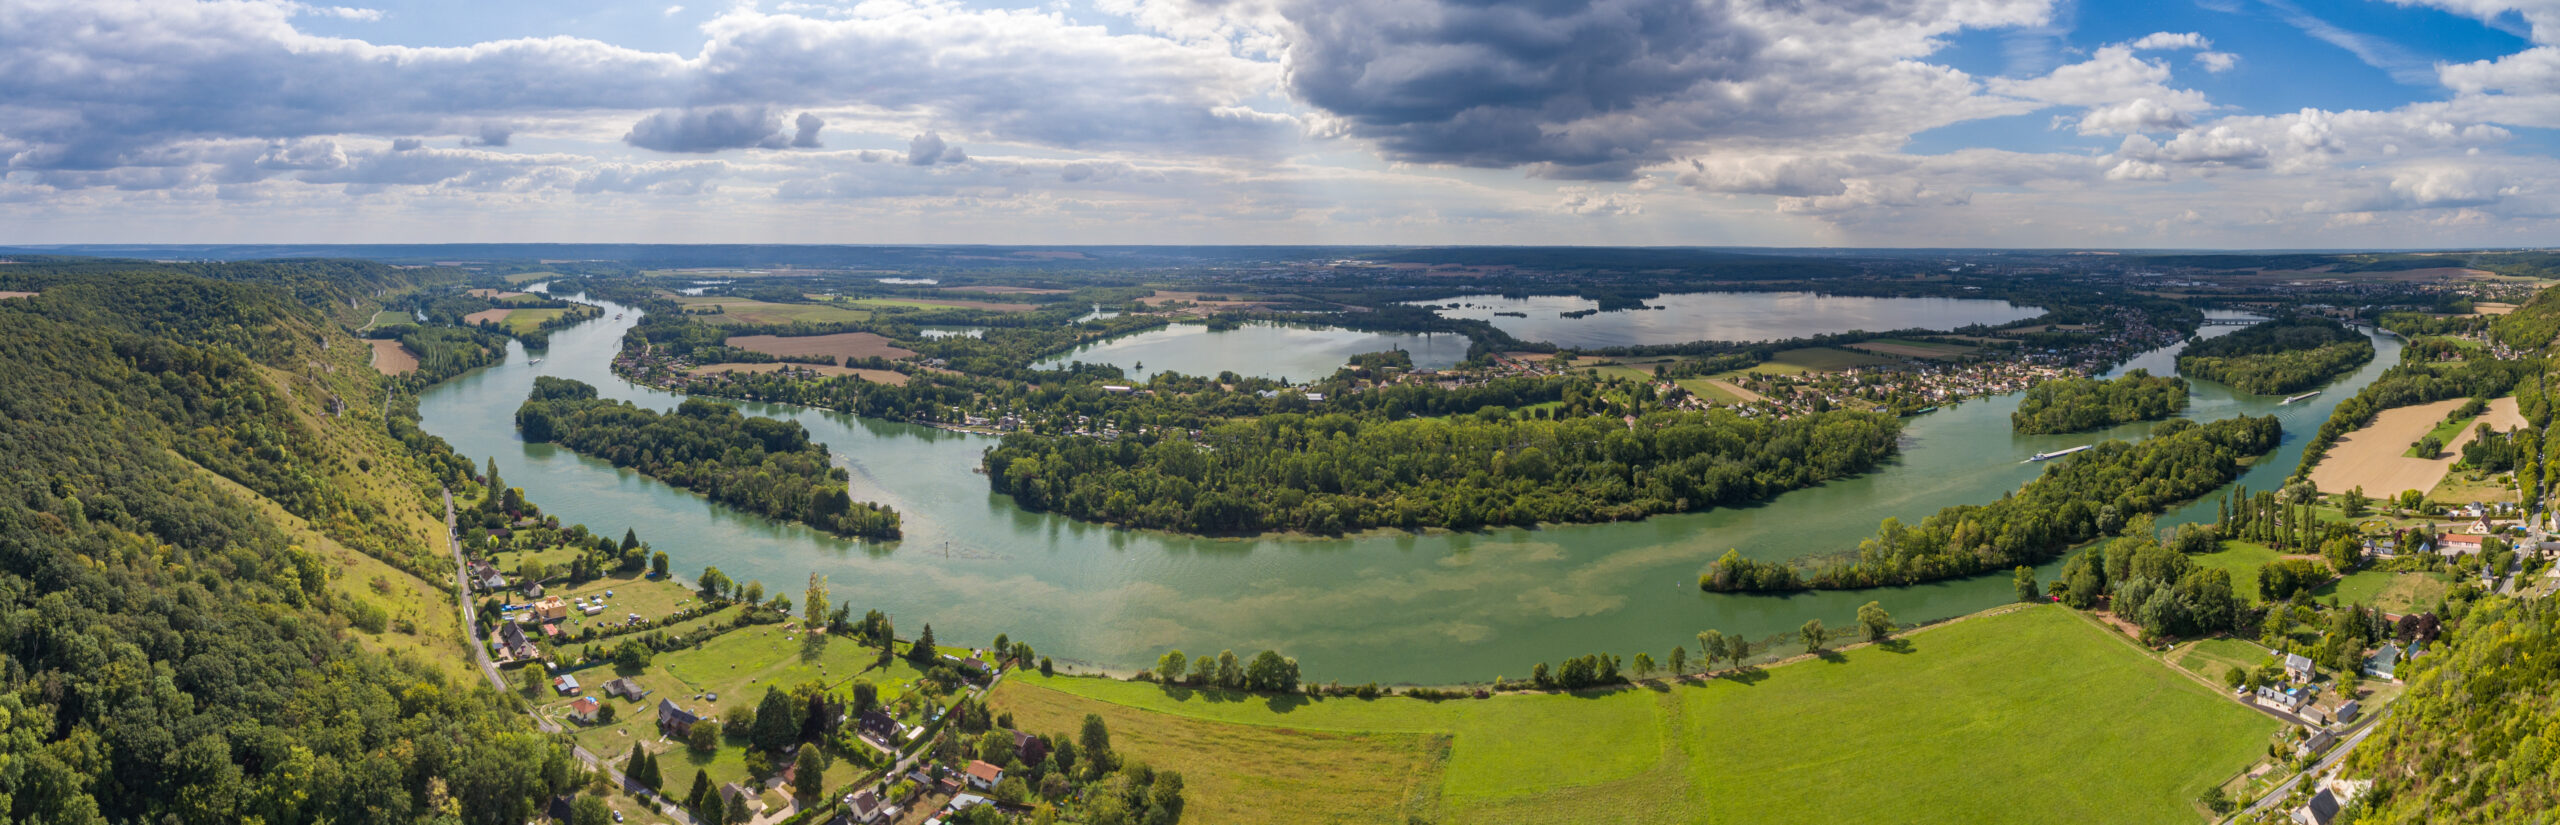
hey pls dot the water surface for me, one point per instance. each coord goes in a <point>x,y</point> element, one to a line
<point>1287,352</point>
<point>1724,316</point>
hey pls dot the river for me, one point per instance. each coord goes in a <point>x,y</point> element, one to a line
<point>1396,608</point>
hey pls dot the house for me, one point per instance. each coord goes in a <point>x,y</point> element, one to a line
<point>733,795</point>
<point>566,684</point>
<point>866,808</point>
<point>511,641</point>
<point>2383,660</point>
<point>2317,744</point>
<point>984,775</point>
<point>486,577</point>
<point>976,666</point>
<point>2297,667</point>
<point>2347,712</point>
<point>584,710</point>
<point>551,609</point>
<point>627,689</point>
<point>675,720</point>
<point>2322,808</point>
<point>2458,543</point>
<point>879,723</point>
<point>1030,748</point>
<point>552,631</point>
<point>533,590</point>
<point>2286,700</point>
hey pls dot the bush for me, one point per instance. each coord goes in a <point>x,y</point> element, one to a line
<point>705,736</point>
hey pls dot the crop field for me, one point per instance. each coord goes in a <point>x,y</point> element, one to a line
<point>890,377</point>
<point>845,346</point>
<point>1815,359</point>
<point>930,303</point>
<point>2392,592</point>
<point>2376,458</point>
<point>2030,698</point>
<point>751,311</point>
<point>1913,349</point>
<point>1007,290</point>
<point>390,358</point>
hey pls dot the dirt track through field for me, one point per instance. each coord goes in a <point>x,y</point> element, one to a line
<point>2375,459</point>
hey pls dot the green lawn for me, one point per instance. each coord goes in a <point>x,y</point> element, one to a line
<point>2242,558</point>
<point>1816,359</point>
<point>527,320</point>
<point>2209,658</point>
<point>2393,592</point>
<point>2444,433</point>
<point>630,593</point>
<point>1959,725</point>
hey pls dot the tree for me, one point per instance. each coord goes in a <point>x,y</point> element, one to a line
<point>1169,667</point>
<point>658,564</point>
<point>752,594</point>
<point>1643,664</point>
<point>2429,446</point>
<point>1230,674</point>
<point>1045,668</point>
<point>2026,581</point>
<point>808,774</point>
<point>1736,649</point>
<point>704,737</point>
<point>1711,646</point>
<point>815,605</point>
<point>777,721</point>
<point>1679,660</point>
<point>1271,672</point>
<point>1879,624</point>
<point>589,810</point>
<point>1813,635</point>
<point>922,652</point>
<point>701,788</point>
<point>630,540</point>
<point>714,810</point>
<point>713,584</point>
<point>1095,738</point>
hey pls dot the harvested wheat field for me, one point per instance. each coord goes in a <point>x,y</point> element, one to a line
<point>496,294</point>
<point>891,378</point>
<point>2375,459</point>
<point>390,358</point>
<point>6,295</point>
<point>845,346</point>
<point>487,316</point>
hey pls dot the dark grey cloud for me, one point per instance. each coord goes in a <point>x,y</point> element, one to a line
<point>1580,85</point>
<point>805,131</point>
<point>491,134</point>
<point>406,144</point>
<point>709,129</point>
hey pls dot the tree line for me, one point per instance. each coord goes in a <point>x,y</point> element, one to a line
<point>2074,404</point>
<point>2090,494</point>
<point>763,465</point>
<point>1334,473</point>
<point>2279,356</point>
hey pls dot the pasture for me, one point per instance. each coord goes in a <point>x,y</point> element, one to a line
<point>2242,559</point>
<point>2210,658</point>
<point>1946,725</point>
<point>845,346</point>
<point>2396,593</point>
<point>1814,359</point>
<point>889,377</point>
<point>391,358</point>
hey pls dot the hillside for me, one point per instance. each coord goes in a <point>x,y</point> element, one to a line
<point>221,589</point>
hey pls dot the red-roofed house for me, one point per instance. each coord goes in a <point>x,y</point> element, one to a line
<point>2459,542</point>
<point>984,775</point>
<point>584,710</point>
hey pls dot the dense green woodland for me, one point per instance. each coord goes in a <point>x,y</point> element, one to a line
<point>2281,356</point>
<point>762,465</point>
<point>2087,495</point>
<point>1334,473</point>
<point>2477,736</point>
<point>2070,405</point>
<point>166,655</point>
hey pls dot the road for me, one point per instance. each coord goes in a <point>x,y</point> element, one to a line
<point>480,652</point>
<point>2326,762</point>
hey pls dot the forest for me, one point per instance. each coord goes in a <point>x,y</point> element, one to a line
<point>171,654</point>
<point>2276,357</point>
<point>2466,742</point>
<point>2088,495</point>
<point>762,465</point>
<point>2070,405</point>
<point>1335,472</point>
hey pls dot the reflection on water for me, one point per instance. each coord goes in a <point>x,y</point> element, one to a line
<point>1723,316</point>
<point>1391,607</point>
<point>1280,351</point>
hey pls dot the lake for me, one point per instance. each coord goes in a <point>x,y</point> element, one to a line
<point>1287,352</point>
<point>1724,316</point>
<point>1395,608</point>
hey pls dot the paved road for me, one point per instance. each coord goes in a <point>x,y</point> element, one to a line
<point>479,652</point>
<point>2326,762</point>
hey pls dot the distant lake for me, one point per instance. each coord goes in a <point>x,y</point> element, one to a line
<point>1290,353</point>
<point>1724,316</point>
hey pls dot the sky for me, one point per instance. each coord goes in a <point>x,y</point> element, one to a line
<point>1981,123</point>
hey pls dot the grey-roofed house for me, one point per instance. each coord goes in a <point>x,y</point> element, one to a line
<point>2297,667</point>
<point>2322,808</point>
<point>2383,661</point>
<point>2272,697</point>
<point>674,719</point>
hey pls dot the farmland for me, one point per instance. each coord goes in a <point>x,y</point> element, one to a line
<point>845,346</point>
<point>390,358</point>
<point>889,377</point>
<point>519,321</point>
<point>728,310</point>
<point>1838,739</point>
<point>2375,457</point>
<point>932,303</point>
<point>1913,349</point>
<point>2392,592</point>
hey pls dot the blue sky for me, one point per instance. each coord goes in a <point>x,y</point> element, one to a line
<point>2050,123</point>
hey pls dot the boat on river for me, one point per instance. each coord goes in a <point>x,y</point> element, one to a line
<point>1921,411</point>
<point>2060,453</point>
<point>532,362</point>
<point>2302,397</point>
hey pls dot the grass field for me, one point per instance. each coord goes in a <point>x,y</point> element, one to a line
<point>750,311</point>
<point>2469,486</point>
<point>1961,723</point>
<point>2444,432</point>
<point>1815,359</point>
<point>2242,558</point>
<point>2209,658</point>
<point>1913,349</point>
<point>2393,592</point>
<point>845,346</point>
